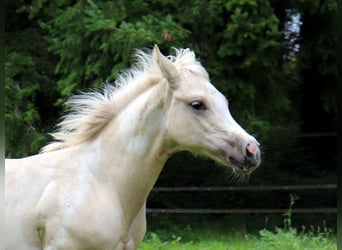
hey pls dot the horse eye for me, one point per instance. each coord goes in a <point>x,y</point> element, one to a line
<point>198,105</point>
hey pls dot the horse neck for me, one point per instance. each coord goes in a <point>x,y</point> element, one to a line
<point>135,148</point>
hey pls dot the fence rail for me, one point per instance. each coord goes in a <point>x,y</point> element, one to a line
<point>244,188</point>
<point>240,211</point>
<point>243,210</point>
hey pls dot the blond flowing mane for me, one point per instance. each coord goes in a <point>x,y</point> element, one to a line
<point>90,112</point>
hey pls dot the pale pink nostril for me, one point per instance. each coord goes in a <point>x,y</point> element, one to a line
<point>251,149</point>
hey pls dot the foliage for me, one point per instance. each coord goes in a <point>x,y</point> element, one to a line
<point>29,87</point>
<point>267,240</point>
<point>69,46</point>
<point>317,61</point>
<point>217,236</point>
<point>288,237</point>
<point>58,48</point>
<point>94,41</point>
<point>291,240</point>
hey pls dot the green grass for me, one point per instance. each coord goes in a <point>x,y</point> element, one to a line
<point>207,239</point>
<point>216,236</point>
<point>210,234</point>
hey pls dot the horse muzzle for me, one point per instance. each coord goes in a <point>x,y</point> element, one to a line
<point>244,157</point>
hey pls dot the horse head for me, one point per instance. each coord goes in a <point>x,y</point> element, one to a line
<point>198,117</point>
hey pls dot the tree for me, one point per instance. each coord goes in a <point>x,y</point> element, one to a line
<point>29,84</point>
<point>63,47</point>
<point>272,76</point>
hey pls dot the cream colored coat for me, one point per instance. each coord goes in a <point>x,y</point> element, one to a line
<point>89,189</point>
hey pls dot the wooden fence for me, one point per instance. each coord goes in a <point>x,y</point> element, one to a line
<point>244,210</point>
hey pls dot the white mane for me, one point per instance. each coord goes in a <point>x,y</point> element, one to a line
<point>90,112</point>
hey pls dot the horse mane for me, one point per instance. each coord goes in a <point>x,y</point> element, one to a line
<point>90,112</point>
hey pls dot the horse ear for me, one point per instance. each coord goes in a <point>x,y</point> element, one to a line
<point>168,70</point>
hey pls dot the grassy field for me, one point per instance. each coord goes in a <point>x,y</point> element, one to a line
<point>200,239</point>
<point>165,234</point>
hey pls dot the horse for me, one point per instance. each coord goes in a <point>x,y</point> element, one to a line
<point>87,189</point>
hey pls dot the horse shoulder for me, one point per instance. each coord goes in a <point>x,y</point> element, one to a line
<point>79,213</point>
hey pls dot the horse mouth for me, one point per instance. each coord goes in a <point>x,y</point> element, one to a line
<point>241,167</point>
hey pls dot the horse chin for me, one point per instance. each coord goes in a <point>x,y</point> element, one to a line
<point>237,168</point>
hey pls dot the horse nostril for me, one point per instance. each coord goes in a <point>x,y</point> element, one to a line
<point>251,150</point>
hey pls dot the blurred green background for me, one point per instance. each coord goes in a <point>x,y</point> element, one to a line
<point>274,60</point>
